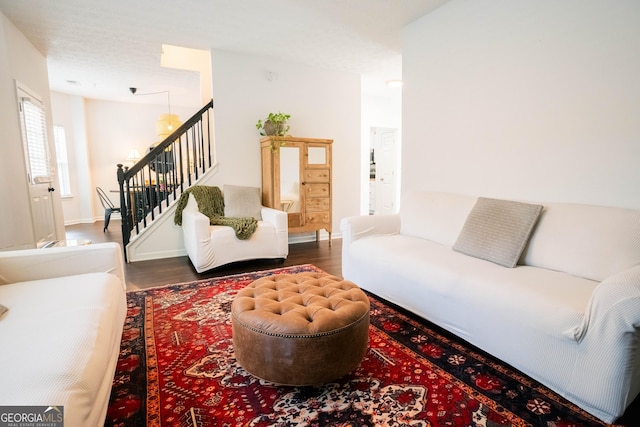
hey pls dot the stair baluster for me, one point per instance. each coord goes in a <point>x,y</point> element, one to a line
<point>156,181</point>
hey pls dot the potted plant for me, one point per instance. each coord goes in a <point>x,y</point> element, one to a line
<point>274,125</point>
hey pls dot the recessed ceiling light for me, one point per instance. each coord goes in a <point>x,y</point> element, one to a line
<point>394,83</point>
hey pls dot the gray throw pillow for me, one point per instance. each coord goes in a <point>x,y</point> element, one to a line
<point>497,230</point>
<point>240,201</point>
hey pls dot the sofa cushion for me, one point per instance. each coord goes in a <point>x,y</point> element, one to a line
<point>457,291</point>
<point>497,230</point>
<point>434,216</point>
<point>240,201</point>
<point>593,242</point>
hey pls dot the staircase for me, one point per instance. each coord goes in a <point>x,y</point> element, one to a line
<point>157,180</point>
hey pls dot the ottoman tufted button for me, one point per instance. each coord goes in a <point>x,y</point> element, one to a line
<point>300,329</point>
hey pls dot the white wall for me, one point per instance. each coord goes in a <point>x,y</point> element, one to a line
<point>113,129</point>
<point>68,112</point>
<point>19,61</point>
<point>322,104</point>
<point>529,100</point>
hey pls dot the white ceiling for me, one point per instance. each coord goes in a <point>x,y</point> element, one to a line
<point>105,47</point>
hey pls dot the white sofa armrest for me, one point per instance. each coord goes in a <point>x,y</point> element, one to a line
<point>613,307</point>
<point>36,264</point>
<point>197,236</point>
<point>278,218</point>
<point>280,221</point>
<point>357,227</point>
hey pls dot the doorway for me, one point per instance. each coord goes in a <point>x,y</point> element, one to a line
<point>384,179</point>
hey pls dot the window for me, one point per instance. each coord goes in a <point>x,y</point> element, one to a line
<point>63,161</point>
<point>34,131</point>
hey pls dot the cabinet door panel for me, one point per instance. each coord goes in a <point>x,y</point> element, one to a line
<point>294,219</point>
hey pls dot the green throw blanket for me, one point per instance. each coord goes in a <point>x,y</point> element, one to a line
<point>211,204</point>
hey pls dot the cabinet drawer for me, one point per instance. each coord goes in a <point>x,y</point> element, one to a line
<point>317,218</point>
<point>317,175</point>
<point>317,190</point>
<point>318,204</point>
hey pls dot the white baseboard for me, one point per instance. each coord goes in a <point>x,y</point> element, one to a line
<point>132,256</point>
<point>84,221</point>
<point>311,237</point>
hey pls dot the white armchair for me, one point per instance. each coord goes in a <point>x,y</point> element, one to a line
<point>211,246</point>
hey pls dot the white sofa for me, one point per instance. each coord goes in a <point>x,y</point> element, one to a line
<point>61,334</point>
<point>211,246</point>
<point>567,315</point>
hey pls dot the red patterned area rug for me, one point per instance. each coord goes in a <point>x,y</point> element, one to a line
<point>177,368</point>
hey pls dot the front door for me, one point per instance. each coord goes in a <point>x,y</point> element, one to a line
<point>38,162</point>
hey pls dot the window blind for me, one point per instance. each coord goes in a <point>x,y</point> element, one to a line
<point>35,134</point>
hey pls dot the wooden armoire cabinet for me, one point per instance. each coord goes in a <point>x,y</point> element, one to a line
<point>296,178</point>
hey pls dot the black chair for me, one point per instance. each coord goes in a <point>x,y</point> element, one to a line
<point>108,206</point>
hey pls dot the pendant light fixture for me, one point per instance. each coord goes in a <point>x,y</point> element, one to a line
<point>166,123</point>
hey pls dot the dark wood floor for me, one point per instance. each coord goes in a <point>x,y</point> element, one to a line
<point>145,274</point>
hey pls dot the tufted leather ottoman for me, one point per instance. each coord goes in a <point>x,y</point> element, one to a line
<point>300,329</point>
